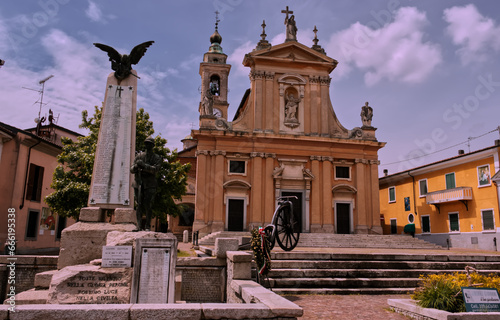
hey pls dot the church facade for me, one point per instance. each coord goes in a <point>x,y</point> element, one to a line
<point>284,140</point>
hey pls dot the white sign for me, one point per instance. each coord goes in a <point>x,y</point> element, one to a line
<point>116,256</point>
<point>481,299</point>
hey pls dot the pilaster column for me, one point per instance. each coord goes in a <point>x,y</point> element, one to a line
<point>361,213</point>
<point>218,190</point>
<point>315,104</point>
<point>269,110</point>
<point>256,208</point>
<point>327,211</point>
<point>258,77</point>
<point>201,209</point>
<point>268,188</point>
<point>316,195</point>
<point>325,87</point>
<point>375,208</point>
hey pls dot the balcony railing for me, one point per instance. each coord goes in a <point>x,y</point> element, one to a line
<point>462,194</point>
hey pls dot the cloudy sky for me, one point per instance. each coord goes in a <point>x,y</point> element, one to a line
<point>430,69</point>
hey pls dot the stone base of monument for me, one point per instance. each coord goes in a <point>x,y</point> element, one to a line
<point>93,284</point>
<point>82,242</point>
<point>245,299</point>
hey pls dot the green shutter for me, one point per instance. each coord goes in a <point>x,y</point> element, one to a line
<point>392,194</point>
<point>450,181</point>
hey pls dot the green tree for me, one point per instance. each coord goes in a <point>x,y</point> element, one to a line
<point>72,177</point>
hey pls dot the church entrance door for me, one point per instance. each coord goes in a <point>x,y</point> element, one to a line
<point>343,218</point>
<point>235,214</point>
<point>297,207</point>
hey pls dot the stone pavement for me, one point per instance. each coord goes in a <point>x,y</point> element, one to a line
<point>346,307</point>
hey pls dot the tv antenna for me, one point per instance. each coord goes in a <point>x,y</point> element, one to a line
<point>42,82</point>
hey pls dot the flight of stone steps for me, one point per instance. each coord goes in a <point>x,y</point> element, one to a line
<point>329,240</point>
<point>365,273</point>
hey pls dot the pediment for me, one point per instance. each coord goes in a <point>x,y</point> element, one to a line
<point>291,51</point>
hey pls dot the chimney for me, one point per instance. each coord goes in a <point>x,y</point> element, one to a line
<point>386,172</point>
<point>461,152</point>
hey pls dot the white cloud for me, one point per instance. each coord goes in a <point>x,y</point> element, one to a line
<point>95,13</point>
<point>236,58</point>
<point>476,34</point>
<point>396,51</point>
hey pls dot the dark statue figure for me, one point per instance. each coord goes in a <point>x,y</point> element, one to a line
<point>366,115</point>
<point>122,64</point>
<point>146,166</point>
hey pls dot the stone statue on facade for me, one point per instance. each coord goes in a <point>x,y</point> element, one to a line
<point>122,64</point>
<point>206,108</point>
<point>291,109</point>
<point>366,115</point>
<point>146,166</point>
<point>291,28</point>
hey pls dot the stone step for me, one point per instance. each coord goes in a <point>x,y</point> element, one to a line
<point>357,273</point>
<point>209,240</point>
<point>329,240</point>
<point>343,282</point>
<point>368,291</point>
<point>365,264</point>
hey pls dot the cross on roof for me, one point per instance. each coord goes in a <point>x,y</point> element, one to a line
<point>217,19</point>
<point>287,12</point>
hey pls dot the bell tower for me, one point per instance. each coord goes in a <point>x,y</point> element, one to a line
<point>214,72</point>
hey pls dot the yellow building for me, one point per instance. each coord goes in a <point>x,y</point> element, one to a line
<point>285,140</point>
<point>451,202</point>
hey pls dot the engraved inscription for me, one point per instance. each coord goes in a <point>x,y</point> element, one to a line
<point>111,176</point>
<point>154,275</point>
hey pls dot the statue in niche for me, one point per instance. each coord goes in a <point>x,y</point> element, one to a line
<point>146,166</point>
<point>291,109</point>
<point>366,115</point>
<point>207,104</point>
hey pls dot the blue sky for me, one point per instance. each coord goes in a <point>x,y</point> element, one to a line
<point>429,69</point>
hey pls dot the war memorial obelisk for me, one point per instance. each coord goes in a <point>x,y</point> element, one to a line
<point>111,186</point>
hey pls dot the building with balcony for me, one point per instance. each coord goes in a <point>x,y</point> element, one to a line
<point>451,202</point>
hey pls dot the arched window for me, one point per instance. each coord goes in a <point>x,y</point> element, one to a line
<point>215,85</point>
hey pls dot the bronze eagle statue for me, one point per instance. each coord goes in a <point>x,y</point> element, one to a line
<point>122,64</point>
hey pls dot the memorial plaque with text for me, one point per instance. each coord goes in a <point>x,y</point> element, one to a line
<point>91,284</point>
<point>111,175</point>
<point>154,271</point>
<point>154,276</point>
<point>116,256</point>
